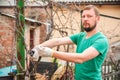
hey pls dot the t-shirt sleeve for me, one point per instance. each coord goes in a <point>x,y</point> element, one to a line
<point>101,45</point>
<point>74,38</point>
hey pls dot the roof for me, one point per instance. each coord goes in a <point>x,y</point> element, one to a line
<point>91,1</point>
<point>86,0</point>
<point>45,2</point>
<point>27,19</point>
<point>27,3</point>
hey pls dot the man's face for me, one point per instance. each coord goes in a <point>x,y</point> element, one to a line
<point>89,20</point>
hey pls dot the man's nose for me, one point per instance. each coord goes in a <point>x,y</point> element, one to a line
<point>85,18</point>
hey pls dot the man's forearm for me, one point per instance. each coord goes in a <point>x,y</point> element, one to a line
<point>71,57</point>
<point>50,43</point>
<point>57,41</point>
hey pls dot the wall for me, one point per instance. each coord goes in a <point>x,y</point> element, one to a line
<point>69,20</point>
<point>7,40</point>
<point>7,32</point>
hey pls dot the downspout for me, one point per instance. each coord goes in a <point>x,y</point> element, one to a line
<point>20,24</point>
<point>82,30</point>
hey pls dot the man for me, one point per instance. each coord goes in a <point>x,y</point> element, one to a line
<point>92,47</point>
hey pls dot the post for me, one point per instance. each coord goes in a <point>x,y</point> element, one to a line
<point>20,22</point>
<point>81,22</point>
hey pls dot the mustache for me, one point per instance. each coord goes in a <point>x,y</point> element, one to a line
<point>85,23</point>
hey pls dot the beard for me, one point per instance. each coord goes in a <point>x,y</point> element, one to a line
<point>88,29</point>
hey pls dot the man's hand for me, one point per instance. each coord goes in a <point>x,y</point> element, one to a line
<point>34,54</point>
<point>41,51</point>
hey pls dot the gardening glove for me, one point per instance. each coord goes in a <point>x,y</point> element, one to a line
<point>41,51</point>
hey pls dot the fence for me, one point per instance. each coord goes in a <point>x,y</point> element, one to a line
<point>111,70</point>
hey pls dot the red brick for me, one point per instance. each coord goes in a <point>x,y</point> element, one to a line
<point>2,33</point>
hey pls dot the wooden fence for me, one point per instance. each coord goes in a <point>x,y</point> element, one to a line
<point>111,70</point>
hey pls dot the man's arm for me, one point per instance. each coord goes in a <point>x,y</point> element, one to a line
<point>88,54</point>
<point>57,41</point>
<point>39,50</point>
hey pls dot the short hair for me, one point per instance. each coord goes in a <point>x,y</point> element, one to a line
<point>92,7</point>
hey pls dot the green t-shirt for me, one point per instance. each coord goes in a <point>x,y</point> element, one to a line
<point>90,70</point>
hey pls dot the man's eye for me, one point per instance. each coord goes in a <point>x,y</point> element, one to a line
<point>83,16</point>
<point>89,16</point>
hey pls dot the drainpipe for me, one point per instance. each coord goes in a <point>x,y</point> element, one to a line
<point>20,24</point>
<point>82,30</point>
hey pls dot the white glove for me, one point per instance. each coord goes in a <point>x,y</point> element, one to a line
<point>41,51</point>
<point>34,54</point>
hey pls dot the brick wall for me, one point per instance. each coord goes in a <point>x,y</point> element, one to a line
<point>7,40</point>
<point>7,33</point>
